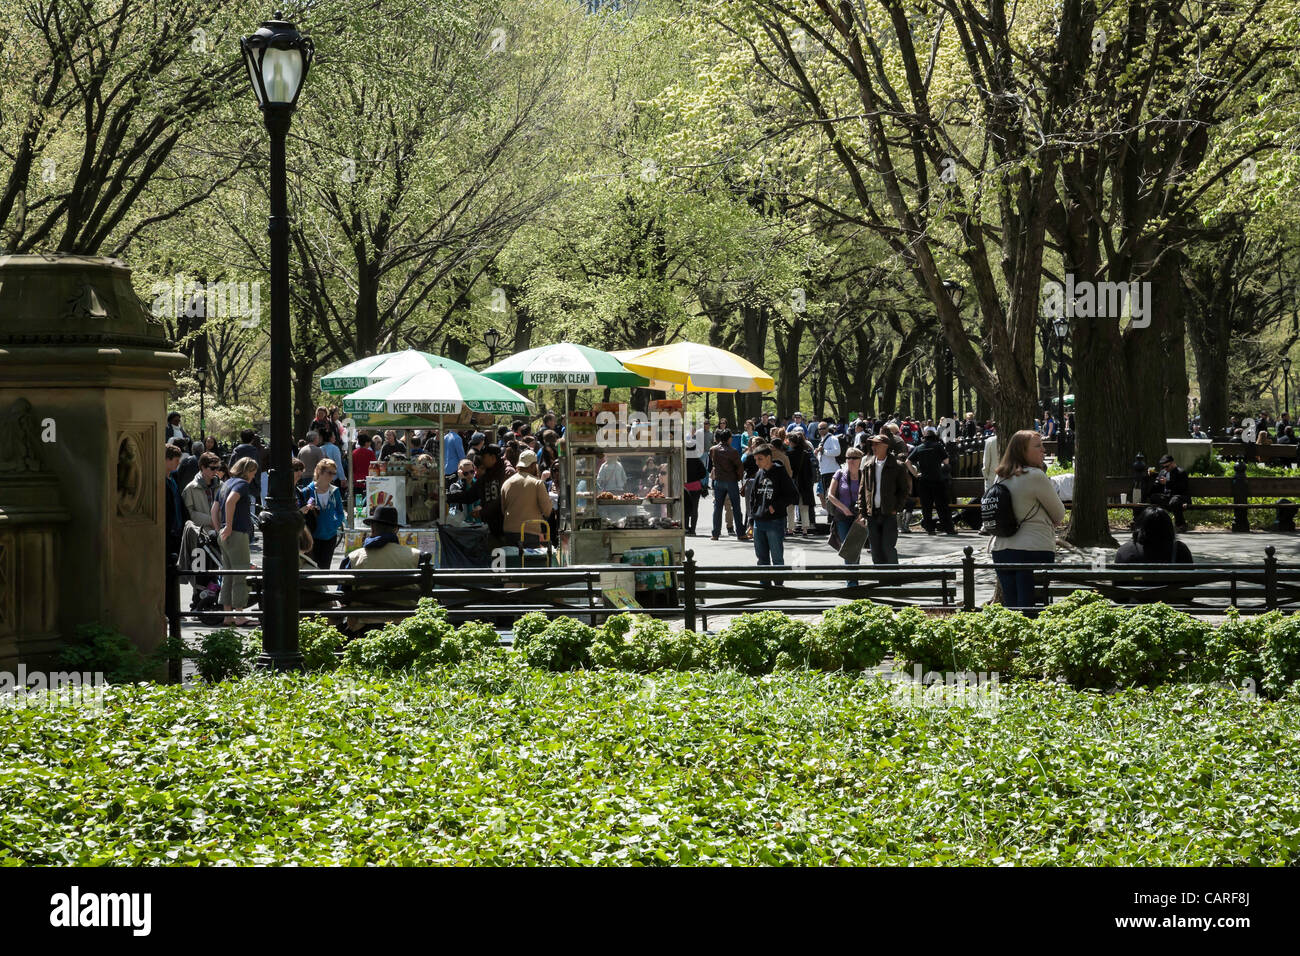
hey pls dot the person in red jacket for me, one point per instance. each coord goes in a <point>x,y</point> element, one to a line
<point>362,456</point>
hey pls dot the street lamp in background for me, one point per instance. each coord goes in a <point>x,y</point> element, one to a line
<point>1286,385</point>
<point>277,57</point>
<point>492,338</point>
<point>956,291</point>
<point>201,376</point>
<point>1064,448</point>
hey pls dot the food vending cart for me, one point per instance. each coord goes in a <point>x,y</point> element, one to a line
<point>619,513</point>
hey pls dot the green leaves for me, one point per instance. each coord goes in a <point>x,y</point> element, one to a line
<point>491,761</point>
<point>753,642</point>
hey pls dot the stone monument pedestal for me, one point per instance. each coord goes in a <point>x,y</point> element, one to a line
<point>84,379</point>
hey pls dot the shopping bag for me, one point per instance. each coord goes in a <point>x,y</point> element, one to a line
<point>851,549</point>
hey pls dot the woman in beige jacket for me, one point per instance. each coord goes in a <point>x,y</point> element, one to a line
<point>1038,510</point>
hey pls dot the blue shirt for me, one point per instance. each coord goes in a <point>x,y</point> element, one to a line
<point>453,450</point>
<point>332,452</point>
<point>243,517</point>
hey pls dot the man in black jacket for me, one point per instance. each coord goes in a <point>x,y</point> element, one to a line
<point>772,493</point>
<point>886,483</point>
<point>929,457</point>
<point>1173,491</point>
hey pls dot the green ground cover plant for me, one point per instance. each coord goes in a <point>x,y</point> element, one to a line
<point>493,761</point>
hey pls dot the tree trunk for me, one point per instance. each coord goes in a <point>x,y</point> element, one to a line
<point>367,336</point>
<point>788,383</point>
<point>455,349</point>
<point>304,369</point>
<point>752,345</point>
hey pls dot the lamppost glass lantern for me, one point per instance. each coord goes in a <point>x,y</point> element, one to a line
<point>277,57</point>
<point>492,338</point>
<point>956,291</point>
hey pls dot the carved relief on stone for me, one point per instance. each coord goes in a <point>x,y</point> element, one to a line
<point>130,476</point>
<point>85,304</point>
<point>137,462</point>
<point>19,439</point>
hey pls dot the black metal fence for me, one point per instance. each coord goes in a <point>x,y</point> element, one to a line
<point>697,594</point>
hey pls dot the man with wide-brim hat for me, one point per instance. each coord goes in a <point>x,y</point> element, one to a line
<point>381,551</point>
<point>886,483</point>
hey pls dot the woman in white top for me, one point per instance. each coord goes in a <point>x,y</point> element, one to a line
<point>1038,511</point>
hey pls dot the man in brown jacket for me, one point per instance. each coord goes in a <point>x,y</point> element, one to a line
<point>726,477</point>
<point>524,500</point>
<point>886,483</point>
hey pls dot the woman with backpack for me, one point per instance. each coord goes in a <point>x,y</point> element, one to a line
<point>1022,510</point>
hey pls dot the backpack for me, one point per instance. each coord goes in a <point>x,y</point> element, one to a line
<point>998,514</point>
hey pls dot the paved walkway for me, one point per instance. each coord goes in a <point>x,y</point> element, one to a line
<point>921,548</point>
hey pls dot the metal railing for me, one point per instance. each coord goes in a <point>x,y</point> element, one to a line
<point>697,593</point>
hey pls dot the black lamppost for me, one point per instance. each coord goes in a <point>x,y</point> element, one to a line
<point>492,338</point>
<point>1064,451</point>
<point>201,376</point>
<point>1286,385</point>
<point>278,57</point>
<point>956,291</point>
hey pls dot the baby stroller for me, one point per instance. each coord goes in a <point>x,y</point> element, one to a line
<point>201,551</point>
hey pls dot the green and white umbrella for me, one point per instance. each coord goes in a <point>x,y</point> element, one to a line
<point>564,365</point>
<point>378,368</point>
<point>445,390</point>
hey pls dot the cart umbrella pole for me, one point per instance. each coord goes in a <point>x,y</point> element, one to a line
<point>352,478</point>
<point>438,470</point>
<point>571,492</point>
<point>681,498</point>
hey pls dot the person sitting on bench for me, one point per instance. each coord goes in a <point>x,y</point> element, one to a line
<point>380,551</point>
<point>1154,541</point>
<point>1172,490</point>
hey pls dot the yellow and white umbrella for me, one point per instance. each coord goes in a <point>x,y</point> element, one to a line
<point>689,367</point>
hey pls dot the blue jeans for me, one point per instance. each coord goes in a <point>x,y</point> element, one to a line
<point>842,525</point>
<point>722,490</point>
<point>1018,586</point>
<point>769,541</point>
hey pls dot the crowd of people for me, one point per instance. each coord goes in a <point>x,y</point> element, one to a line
<point>767,478</point>
<point>506,484</point>
<point>1266,429</point>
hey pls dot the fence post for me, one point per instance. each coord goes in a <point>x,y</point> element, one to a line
<point>426,579</point>
<point>1270,577</point>
<point>968,579</point>
<point>1240,495</point>
<point>688,588</point>
<point>174,659</point>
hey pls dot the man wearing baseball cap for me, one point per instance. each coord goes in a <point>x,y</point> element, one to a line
<point>524,501</point>
<point>381,551</point>
<point>1173,491</point>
